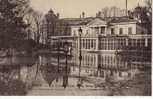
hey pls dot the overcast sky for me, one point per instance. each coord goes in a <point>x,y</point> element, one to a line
<point>73,8</point>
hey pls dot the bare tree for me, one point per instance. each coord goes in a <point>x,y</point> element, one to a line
<point>38,19</point>
<point>34,18</point>
<point>105,12</point>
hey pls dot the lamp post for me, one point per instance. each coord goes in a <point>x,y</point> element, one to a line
<point>58,58</point>
<point>80,57</point>
<point>65,76</point>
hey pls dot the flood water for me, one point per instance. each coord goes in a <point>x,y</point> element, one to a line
<point>43,73</point>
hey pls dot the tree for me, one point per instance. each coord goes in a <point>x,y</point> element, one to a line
<point>144,15</point>
<point>105,12</point>
<point>34,19</point>
<point>12,27</point>
<point>111,12</point>
<point>38,19</point>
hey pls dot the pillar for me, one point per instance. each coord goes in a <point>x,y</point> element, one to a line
<point>126,41</point>
<point>97,43</point>
<point>96,61</point>
<point>91,44</point>
<point>99,30</point>
<point>105,30</point>
<point>146,42</point>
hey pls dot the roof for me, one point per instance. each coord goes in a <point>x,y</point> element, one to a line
<point>122,19</point>
<point>77,21</point>
<point>85,21</point>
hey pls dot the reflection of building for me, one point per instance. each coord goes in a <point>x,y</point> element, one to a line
<point>109,73</point>
<point>103,39</point>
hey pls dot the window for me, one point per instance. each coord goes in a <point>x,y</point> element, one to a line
<point>139,42</point>
<point>129,74</point>
<point>92,62</point>
<point>143,42</point>
<point>111,73</point>
<point>129,30</point>
<point>102,30</point>
<point>86,44</point>
<point>120,74</point>
<point>112,31</point>
<point>102,74</point>
<point>97,30</point>
<point>89,47</point>
<point>92,45</point>
<point>121,31</point>
<point>83,43</point>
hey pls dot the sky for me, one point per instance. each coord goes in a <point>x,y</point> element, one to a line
<point>73,8</point>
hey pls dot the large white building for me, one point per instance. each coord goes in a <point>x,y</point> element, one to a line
<point>102,39</point>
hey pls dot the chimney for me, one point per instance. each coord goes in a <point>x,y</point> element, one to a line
<point>83,14</point>
<point>126,8</point>
<point>80,16</point>
<point>58,15</point>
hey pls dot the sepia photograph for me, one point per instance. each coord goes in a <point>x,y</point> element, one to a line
<point>75,47</point>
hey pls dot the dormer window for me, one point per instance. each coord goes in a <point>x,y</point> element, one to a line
<point>130,30</point>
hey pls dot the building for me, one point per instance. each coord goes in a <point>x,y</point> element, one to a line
<point>117,43</point>
<point>48,26</point>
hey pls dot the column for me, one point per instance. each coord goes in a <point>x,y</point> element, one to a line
<point>78,44</point>
<point>82,43</point>
<point>146,42</point>
<point>96,60</point>
<point>99,30</point>
<point>113,44</point>
<point>106,43</point>
<point>90,60</point>
<point>105,30</point>
<point>85,59</point>
<point>97,43</point>
<point>89,44</point>
<point>126,41</point>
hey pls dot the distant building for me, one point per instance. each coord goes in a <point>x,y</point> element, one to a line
<point>48,26</point>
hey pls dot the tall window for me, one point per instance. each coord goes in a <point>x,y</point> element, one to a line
<point>97,30</point>
<point>86,44</point>
<point>112,31</point>
<point>92,45</point>
<point>130,30</point>
<point>102,30</point>
<point>121,31</point>
<point>83,45</point>
<point>120,74</point>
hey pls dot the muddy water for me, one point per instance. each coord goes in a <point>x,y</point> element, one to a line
<point>43,73</point>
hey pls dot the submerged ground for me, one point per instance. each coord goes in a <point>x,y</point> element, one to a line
<point>140,85</point>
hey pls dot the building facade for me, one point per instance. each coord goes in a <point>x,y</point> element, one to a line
<point>106,44</point>
<point>116,43</point>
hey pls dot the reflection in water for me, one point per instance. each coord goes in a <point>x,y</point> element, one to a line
<point>45,73</point>
<point>89,75</point>
<point>50,73</point>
